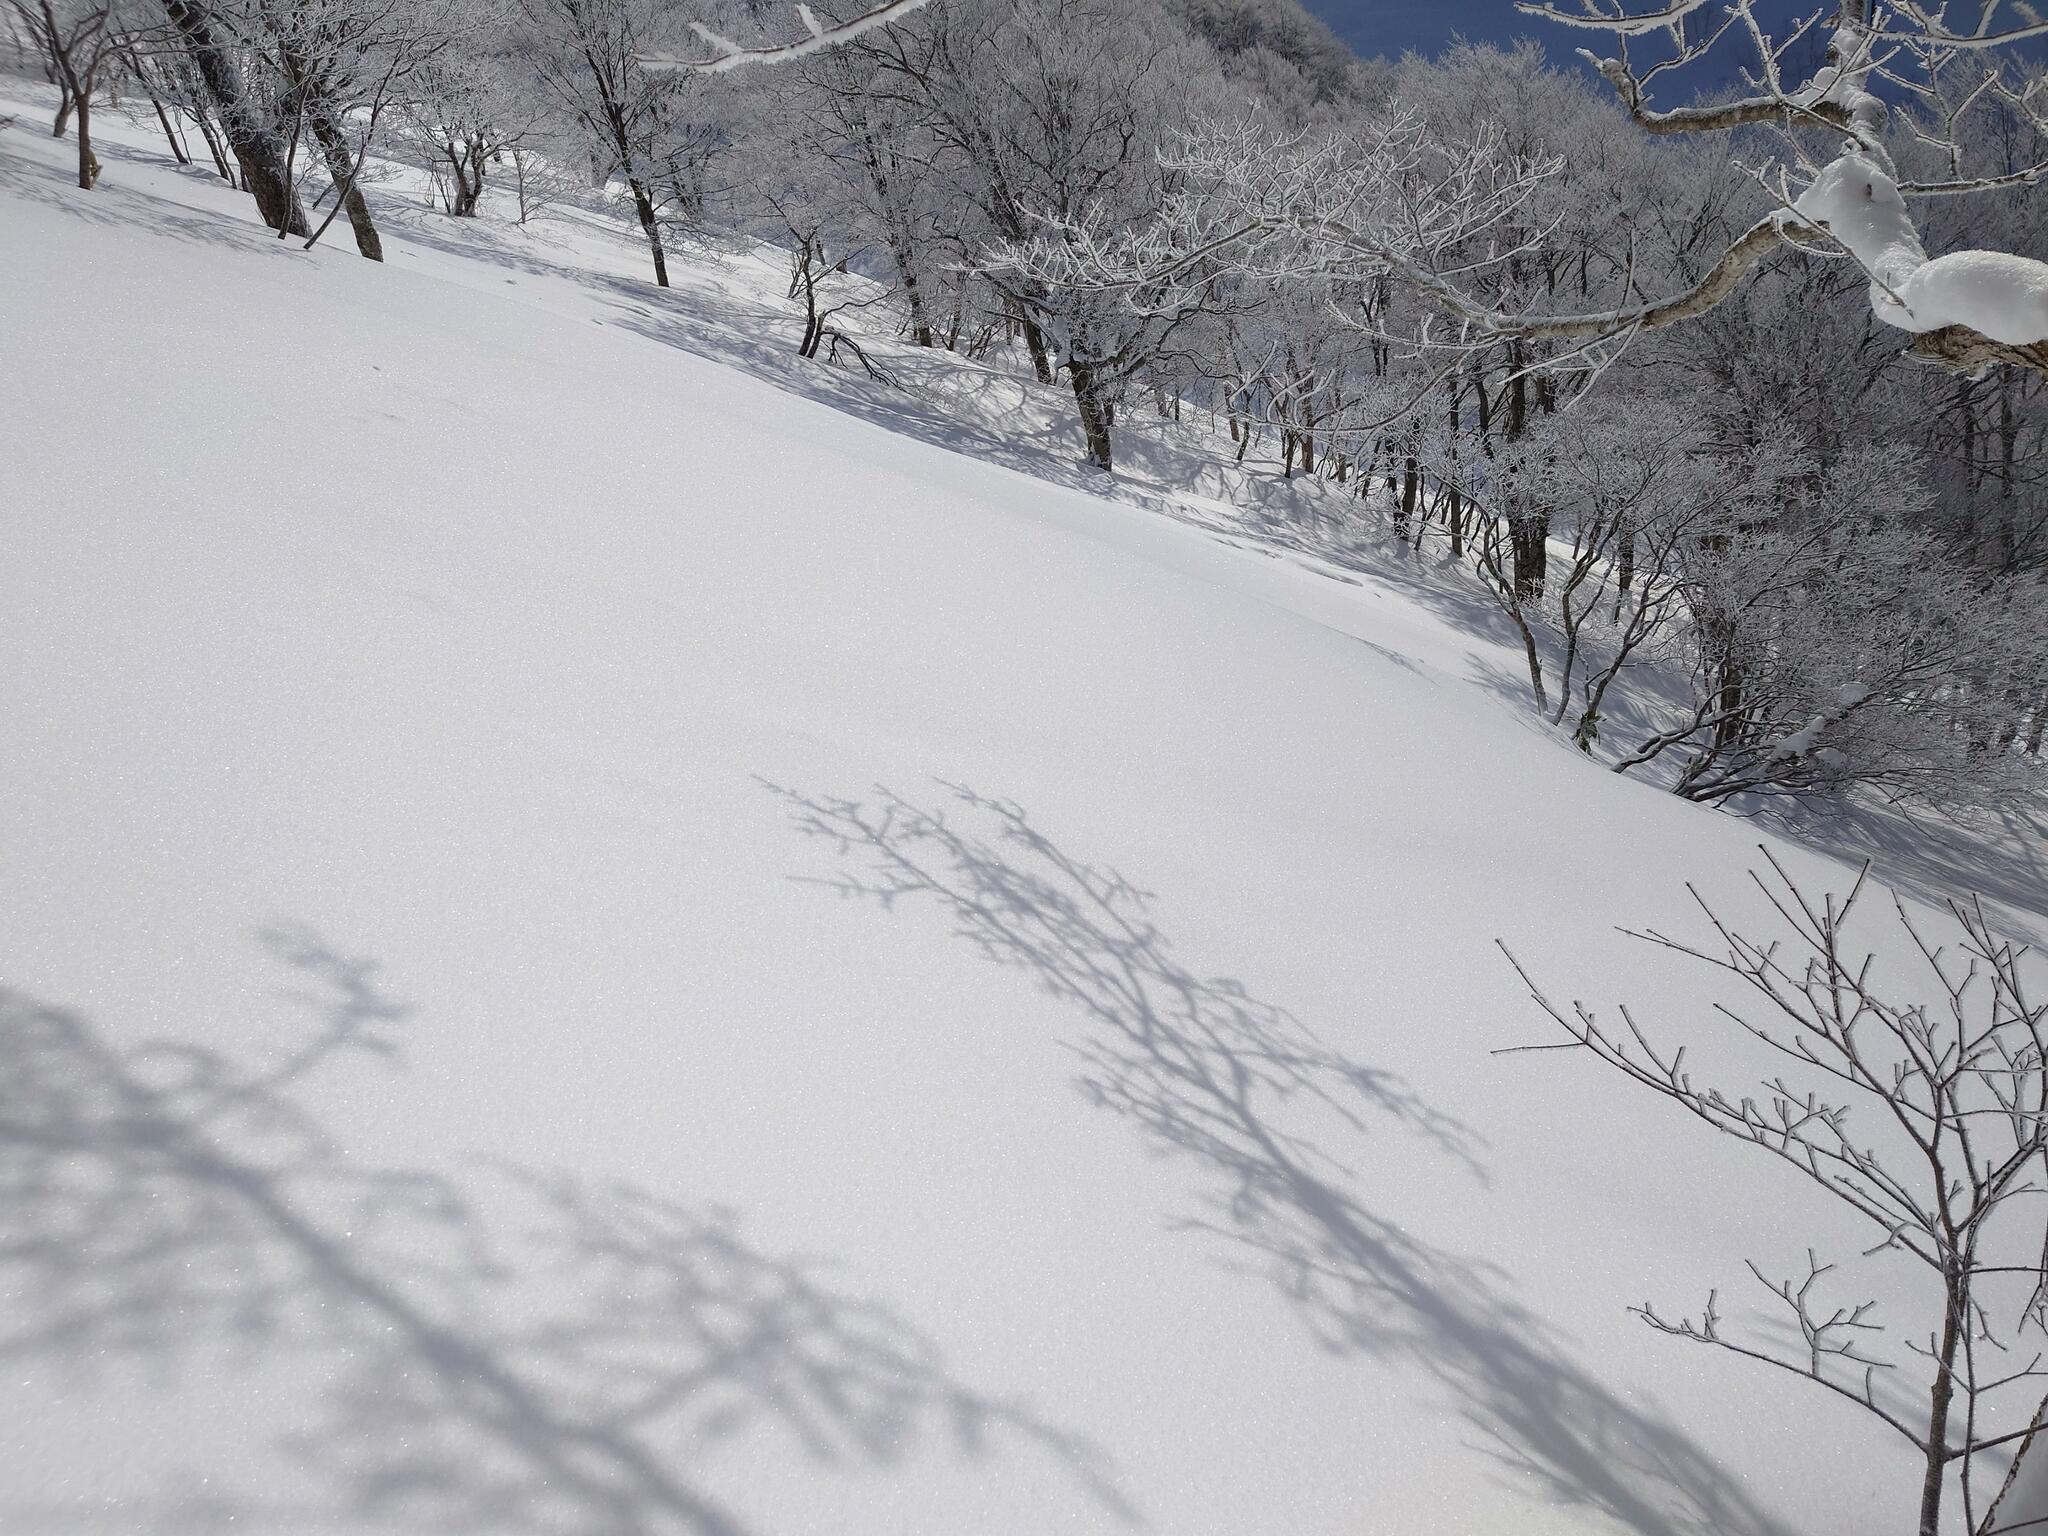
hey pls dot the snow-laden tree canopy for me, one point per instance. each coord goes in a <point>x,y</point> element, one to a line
<point>1446,218</point>
<point>1964,308</point>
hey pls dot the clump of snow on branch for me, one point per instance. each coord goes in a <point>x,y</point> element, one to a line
<point>1855,199</point>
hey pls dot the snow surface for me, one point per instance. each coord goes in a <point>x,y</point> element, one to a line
<point>450,1082</point>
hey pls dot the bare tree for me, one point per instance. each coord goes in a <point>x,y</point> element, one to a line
<point>1928,1120</point>
<point>588,55</point>
<point>464,113</point>
<point>78,38</point>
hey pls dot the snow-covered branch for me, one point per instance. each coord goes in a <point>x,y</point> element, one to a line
<point>818,36</point>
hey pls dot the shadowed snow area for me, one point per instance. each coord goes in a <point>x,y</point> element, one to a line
<point>607,931</point>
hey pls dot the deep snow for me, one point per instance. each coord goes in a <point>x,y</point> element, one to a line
<point>446,1086</point>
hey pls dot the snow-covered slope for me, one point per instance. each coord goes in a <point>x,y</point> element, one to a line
<point>445,1086</point>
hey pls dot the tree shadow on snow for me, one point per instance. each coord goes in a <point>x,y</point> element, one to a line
<point>1998,853</point>
<point>523,1352</point>
<point>113,202</point>
<point>1209,1074</point>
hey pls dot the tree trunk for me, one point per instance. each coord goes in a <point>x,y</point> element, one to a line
<point>1530,534</point>
<point>1625,576</point>
<point>1454,513</point>
<point>1518,394</point>
<point>913,293</point>
<point>1938,1410</point>
<point>220,159</point>
<point>2008,436</point>
<point>467,189</point>
<point>257,148</point>
<point>806,274</point>
<point>643,205</point>
<point>88,163</point>
<point>341,166</point>
<point>1034,343</point>
<point>519,181</point>
<point>1535,660</point>
<point>177,150</point>
<point>1587,731</point>
<point>78,98</point>
<point>1094,417</point>
<point>1726,684</point>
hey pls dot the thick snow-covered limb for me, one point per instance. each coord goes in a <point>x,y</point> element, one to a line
<point>1998,295</point>
<point>1962,350</point>
<point>731,55</point>
<point>1994,295</point>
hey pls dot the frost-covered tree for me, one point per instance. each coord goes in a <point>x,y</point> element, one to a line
<point>247,123</point>
<point>1833,184</point>
<point>802,185</point>
<point>465,112</point>
<point>1837,646</point>
<point>337,68</point>
<point>588,55</point>
<point>1055,111</point>
<point>871,148</point>
<point>1290,59</point>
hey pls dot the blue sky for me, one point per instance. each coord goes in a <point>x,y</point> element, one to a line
<point>1392,27</point>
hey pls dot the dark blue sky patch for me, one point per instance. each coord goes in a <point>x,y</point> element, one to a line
<point>1390,28</point>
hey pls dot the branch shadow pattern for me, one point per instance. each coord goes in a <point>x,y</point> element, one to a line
<point>1212,1075</point>
<point>1997,853</point>
<point>525,1351</point>
<point>113,203</point>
